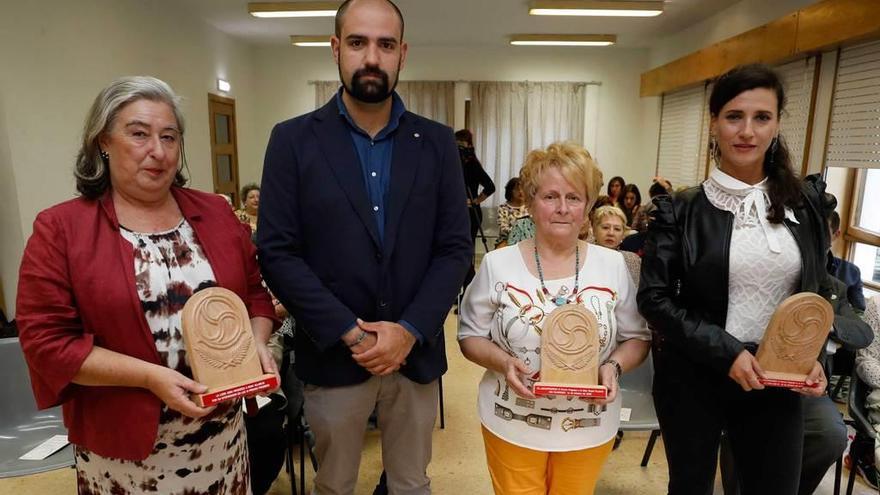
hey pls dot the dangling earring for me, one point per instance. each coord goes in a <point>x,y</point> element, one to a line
<point>105,155</point>
<point>714,151</point>
<point>774,144</point>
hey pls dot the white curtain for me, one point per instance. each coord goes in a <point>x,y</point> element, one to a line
<point>431,99</point>
<point>499,123</point>
<point>555,113</point>
<point>324,90</point>
<point>509,119</point>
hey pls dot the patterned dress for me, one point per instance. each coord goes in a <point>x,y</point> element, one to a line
<point>507,216</point>
<point>191,456</point>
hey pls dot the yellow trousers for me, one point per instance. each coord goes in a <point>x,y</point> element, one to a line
<point>520,471</point>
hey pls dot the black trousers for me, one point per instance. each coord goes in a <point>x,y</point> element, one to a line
<point>476,215</point>
<point>824,443</point>
<point>695,403</point>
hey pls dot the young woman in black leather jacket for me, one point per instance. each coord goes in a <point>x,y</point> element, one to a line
<point>718,259</point>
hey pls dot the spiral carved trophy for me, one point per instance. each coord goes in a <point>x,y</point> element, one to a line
<point>794,337</point>
<point>570,354</point>
<point>220,347</point>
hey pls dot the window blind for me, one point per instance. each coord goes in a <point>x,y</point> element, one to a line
<point>854,131</point>
<point>681,134</point>
<point>797,78</point>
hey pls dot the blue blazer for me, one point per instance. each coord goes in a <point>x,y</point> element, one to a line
<point>320,251</point>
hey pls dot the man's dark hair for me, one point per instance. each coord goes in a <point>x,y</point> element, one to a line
<point>344,7</point>
<point>834,221</point>
<point>657,189</point>
<point>464,135</point>
<point>510,187</point>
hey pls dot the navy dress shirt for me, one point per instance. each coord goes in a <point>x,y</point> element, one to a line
<point>375,157</point>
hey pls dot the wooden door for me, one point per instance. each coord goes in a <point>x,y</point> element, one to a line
<point>224,150</point>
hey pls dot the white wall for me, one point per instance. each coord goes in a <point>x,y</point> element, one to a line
<point>57,55</point>
<point>628,126</point>
<point>736,19</point>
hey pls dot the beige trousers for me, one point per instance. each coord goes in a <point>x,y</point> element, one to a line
<point>406,414</point>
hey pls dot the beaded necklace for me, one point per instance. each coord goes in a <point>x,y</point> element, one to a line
<point>560,300</point>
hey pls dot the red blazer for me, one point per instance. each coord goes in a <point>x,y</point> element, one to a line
<point>76,289</point>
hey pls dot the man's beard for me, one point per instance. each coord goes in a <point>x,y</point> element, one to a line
<point>371,90</point>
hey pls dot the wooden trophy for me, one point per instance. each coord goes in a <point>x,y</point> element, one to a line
<point>570,354</point>
<point>794,338</point>
<point>220,347</point>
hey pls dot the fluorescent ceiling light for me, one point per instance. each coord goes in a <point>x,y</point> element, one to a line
<point>223,85</point>
<point>320,40</point>
<point>563,39</point>
<point>293,9</point>
<point>607,8</point>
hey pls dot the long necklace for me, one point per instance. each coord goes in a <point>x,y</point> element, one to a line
<point>559,300</point>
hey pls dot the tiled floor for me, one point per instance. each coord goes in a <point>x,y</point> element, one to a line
<point>459,466</point>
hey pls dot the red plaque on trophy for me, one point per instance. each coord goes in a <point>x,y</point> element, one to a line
<point>570,354</point>
<point>220,347</point>
<point>793,340</point>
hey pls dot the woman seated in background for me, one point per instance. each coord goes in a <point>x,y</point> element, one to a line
<point>250,200</point>
<point>562,447</point>
<point>509,212</point>
<point>632,202</point>
<point>103,281</point>
<point>615,191</point>
<point>718,260</point>
<point>609,229</point>
<point>868,369</point>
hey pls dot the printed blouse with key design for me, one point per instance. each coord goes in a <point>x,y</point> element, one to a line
<point>505,304</point>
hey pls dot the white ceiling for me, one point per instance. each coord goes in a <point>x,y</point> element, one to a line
<point>463,22</point>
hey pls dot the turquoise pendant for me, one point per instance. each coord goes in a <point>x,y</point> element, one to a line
<point>560,301</point>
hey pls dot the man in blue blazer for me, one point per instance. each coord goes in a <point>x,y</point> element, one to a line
<point>363,235</point>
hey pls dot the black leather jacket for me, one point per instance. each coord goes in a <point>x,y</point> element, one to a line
<point>684,282</point>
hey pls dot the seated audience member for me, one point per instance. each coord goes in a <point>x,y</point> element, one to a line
<point>843,269</point>
<point>609,229</point>
<point>868,369</point>
<point>824,430</point>
<point>523,228</point>
<point>510,211</point>
<point>250,199</point>
<point>615,191</point>
<point>102,285</point>
<point>631,204</point>
<point>642,217</point>
<point>564,451</point>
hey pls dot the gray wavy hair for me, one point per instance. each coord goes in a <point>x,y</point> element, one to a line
<point>92,173</point>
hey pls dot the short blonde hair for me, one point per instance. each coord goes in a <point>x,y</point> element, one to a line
<point>608,211</point>
<point>574,163</point>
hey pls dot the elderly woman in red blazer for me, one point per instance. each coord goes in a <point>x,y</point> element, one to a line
<point>103,281</point>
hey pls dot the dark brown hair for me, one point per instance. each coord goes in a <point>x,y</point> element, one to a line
<point>783,186</point>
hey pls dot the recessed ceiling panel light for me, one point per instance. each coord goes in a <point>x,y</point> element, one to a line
<point>320,40</point>
<point>605,8</point>
<point>293,9</point>
<point>563,39</point>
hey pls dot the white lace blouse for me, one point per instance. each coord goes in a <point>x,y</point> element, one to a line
<point>765,260</point>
